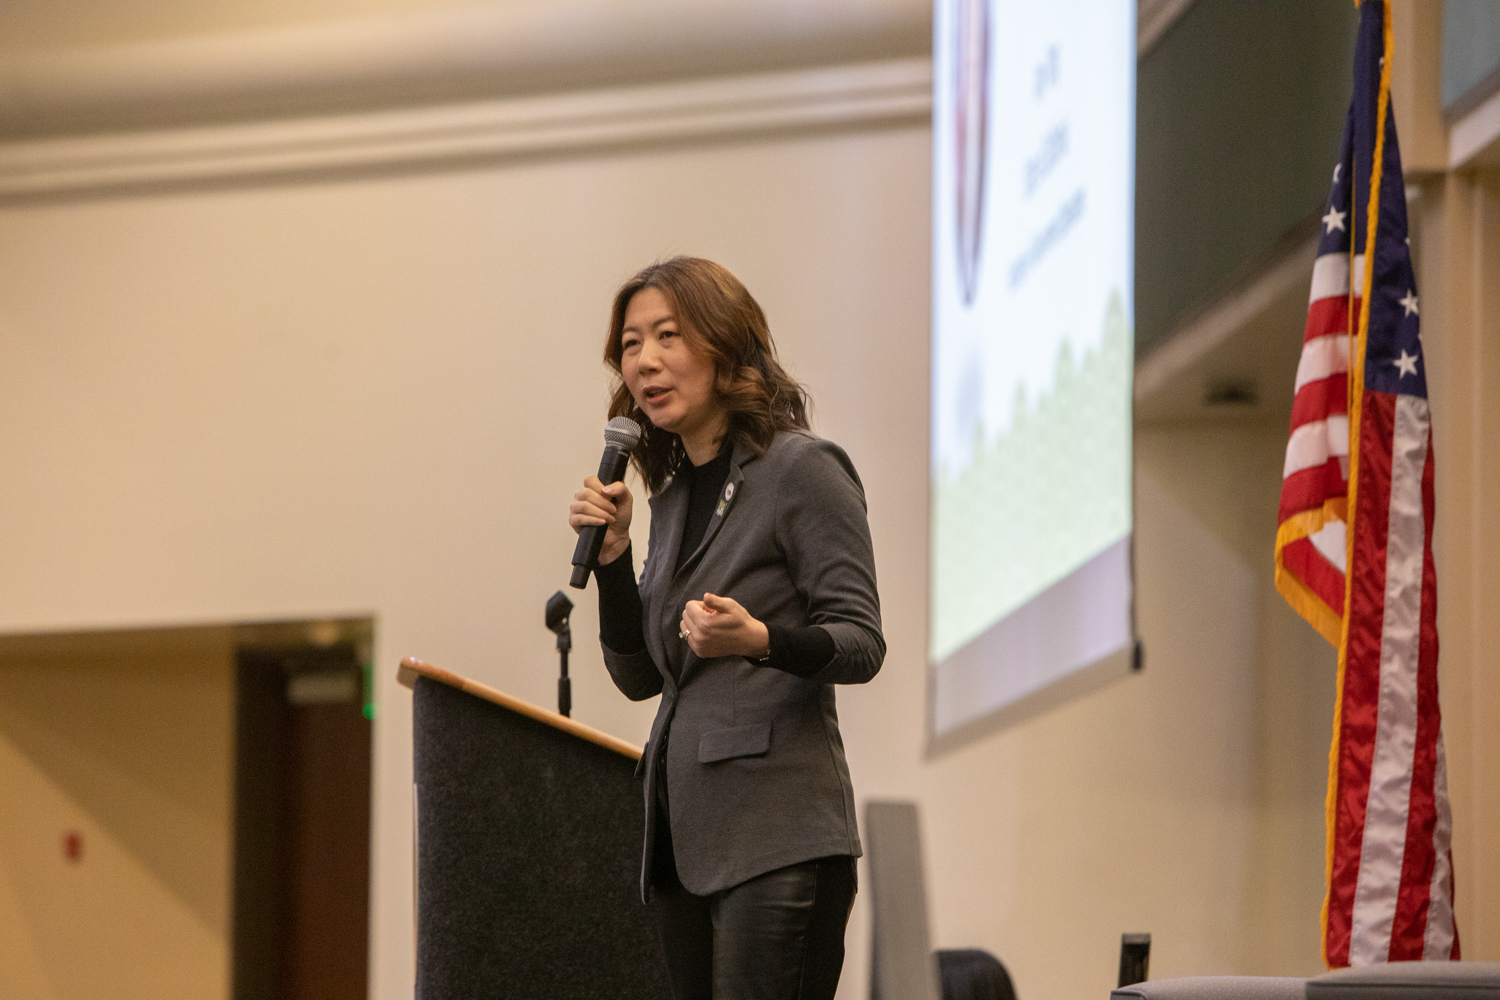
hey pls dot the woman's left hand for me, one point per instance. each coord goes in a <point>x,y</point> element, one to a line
<point>720,626</point>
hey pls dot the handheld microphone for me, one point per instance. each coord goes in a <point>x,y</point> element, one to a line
<point>621,435</point>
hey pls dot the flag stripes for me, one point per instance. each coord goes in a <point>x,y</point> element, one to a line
<point>1389,782</point>
<point>1316,570</point>
<point>1440,938</point>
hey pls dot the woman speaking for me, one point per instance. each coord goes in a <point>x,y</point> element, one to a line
<point>756,597</point>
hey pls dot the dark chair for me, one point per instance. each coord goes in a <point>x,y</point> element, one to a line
<point>973,974</point>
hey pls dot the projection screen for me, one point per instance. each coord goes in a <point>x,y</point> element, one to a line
<point>1032,351</point>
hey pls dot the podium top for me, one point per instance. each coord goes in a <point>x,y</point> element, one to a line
<point>411,668</point>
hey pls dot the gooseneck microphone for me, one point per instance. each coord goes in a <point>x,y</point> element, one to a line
<point>621,435</point>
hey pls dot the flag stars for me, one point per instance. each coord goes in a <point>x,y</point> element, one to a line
<point>1410,302</point>
<point>1406,364</point>
<point>1338,168</point>
<point>1334,220</point>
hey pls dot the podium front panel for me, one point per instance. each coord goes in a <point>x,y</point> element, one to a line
<point>528,859</point>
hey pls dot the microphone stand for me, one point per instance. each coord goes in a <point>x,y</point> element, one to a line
<point>558,610</point>
<point>564,686</point>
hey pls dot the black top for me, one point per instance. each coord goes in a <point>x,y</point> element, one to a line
<point>705,483</point>
<point>800,651</point>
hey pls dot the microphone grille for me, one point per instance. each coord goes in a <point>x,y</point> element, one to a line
<point>622,433</point>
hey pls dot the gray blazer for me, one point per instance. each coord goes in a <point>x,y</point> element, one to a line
<point>752,756</point>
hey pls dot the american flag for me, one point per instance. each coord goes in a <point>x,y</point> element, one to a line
<point>1354,547</point>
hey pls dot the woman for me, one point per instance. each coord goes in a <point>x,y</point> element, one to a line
<point>756,597</point>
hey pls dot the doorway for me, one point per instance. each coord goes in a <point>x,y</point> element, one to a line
<point>186,811</point>
<point>302,812</point>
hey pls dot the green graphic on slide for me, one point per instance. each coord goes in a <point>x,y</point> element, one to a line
<point>1039,501</point>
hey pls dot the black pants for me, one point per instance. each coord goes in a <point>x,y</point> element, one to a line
<point>778,936</point>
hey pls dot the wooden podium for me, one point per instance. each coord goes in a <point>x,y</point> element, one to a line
<point>528,849</point>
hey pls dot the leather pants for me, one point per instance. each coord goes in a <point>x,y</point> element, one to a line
<point>778,936</point>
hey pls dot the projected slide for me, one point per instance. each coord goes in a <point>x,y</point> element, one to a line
<point>1033,197</point>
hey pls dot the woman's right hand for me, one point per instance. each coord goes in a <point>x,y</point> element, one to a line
<point>600,504</point>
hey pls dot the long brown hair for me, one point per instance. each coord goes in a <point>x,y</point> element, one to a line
<point>719,319</point>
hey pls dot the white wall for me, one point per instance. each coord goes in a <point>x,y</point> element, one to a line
<point>374,395</point>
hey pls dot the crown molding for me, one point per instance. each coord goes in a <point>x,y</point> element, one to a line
<point>1474,139</point>
<point>489,51</point>
<point>525,77</point>
<point>482,52</point>
<point>863,95</point>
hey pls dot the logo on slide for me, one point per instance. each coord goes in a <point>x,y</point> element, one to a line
<point>971,113</point>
